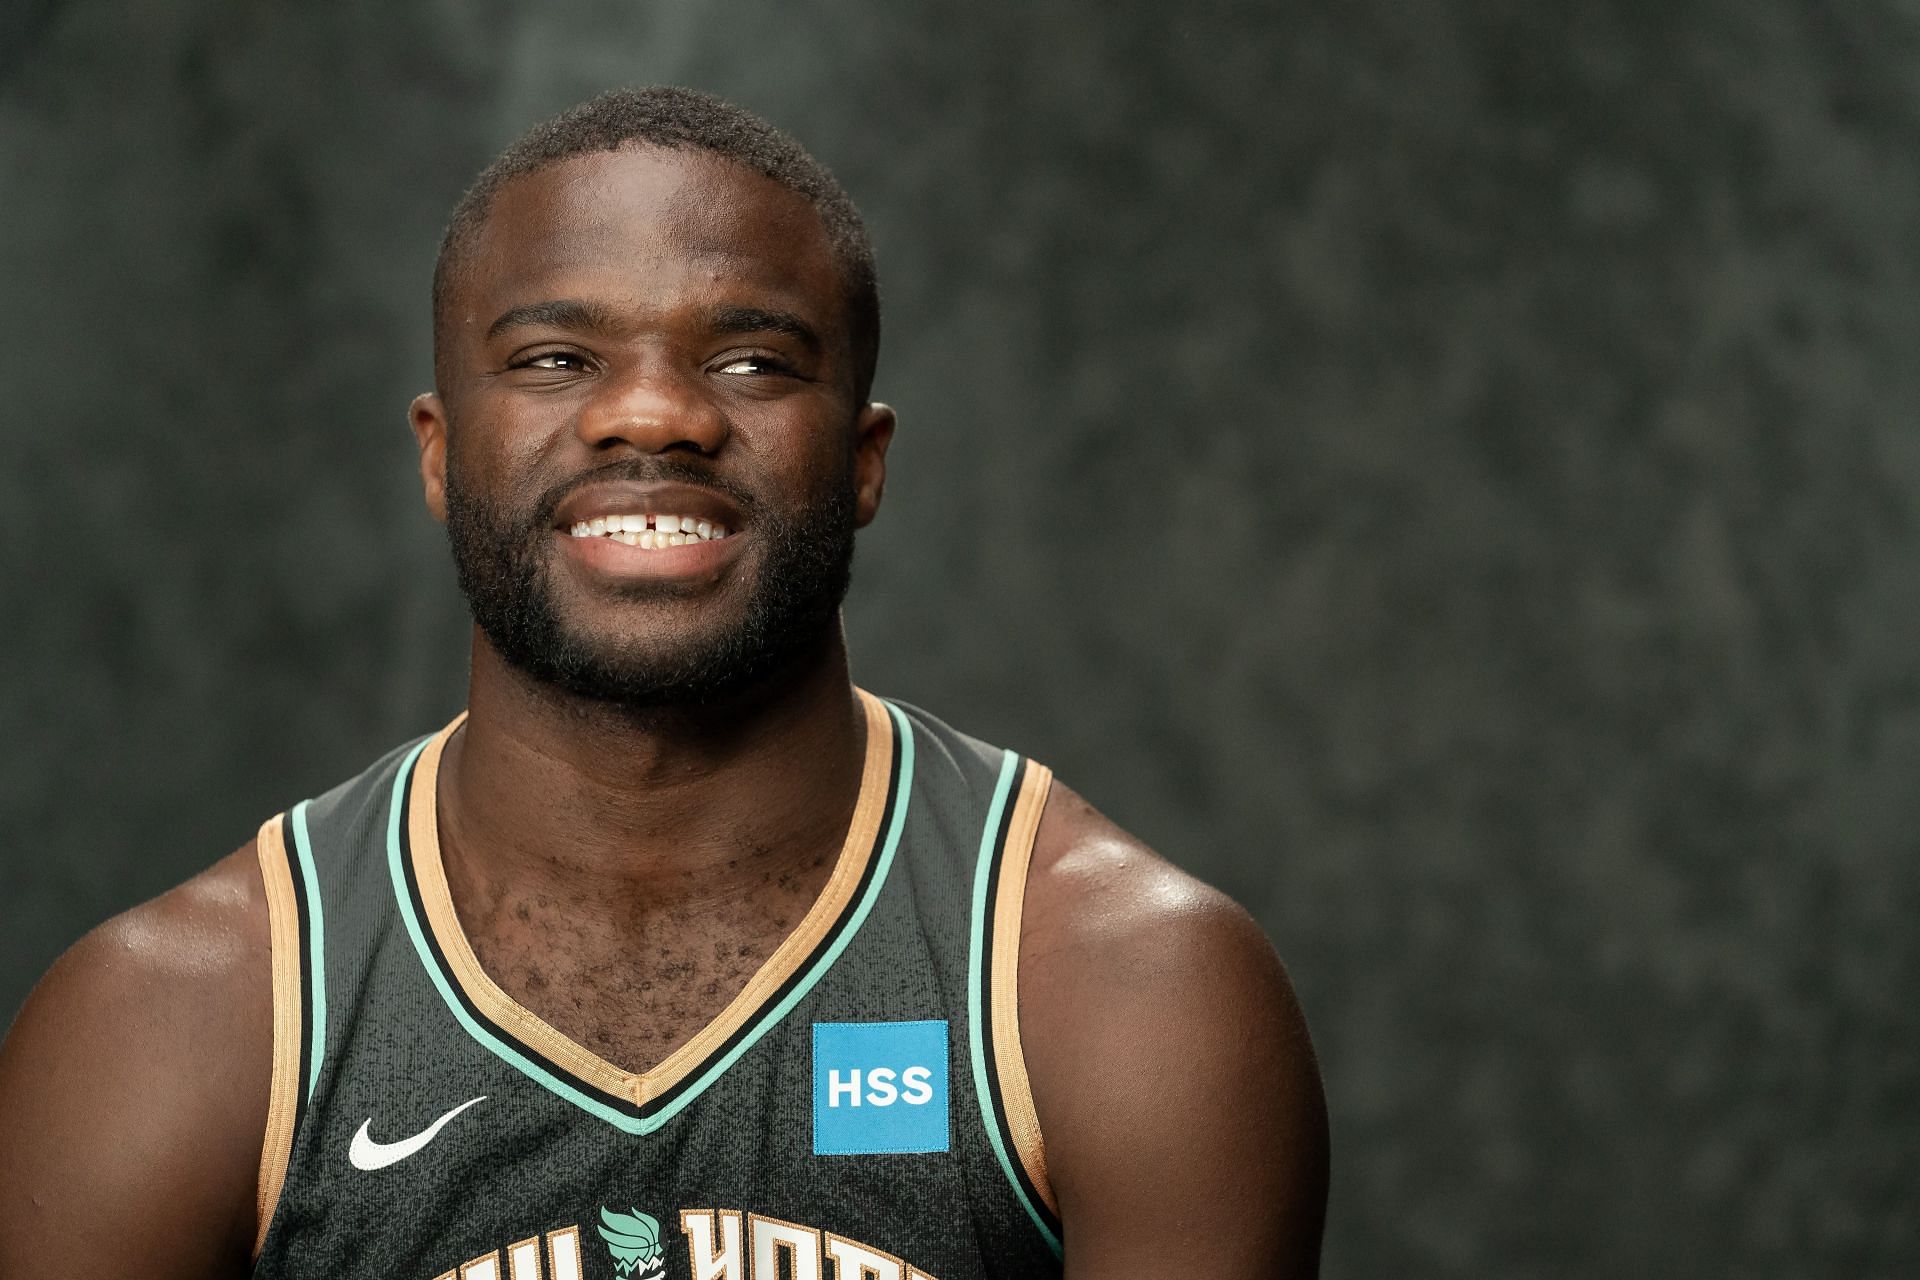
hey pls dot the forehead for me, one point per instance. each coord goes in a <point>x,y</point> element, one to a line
<point>648,227</point>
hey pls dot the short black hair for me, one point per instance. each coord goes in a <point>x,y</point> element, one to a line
<point>680,119</point>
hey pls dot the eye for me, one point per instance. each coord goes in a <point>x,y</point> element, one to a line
<point>754,363</point>
<point>551,362</point>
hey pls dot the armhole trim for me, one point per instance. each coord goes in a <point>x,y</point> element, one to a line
<point>999,1066</point>
<point>286,1097</point>
<point>1010,1063</point>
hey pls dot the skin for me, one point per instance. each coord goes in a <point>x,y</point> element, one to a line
<point>1170,1064</point>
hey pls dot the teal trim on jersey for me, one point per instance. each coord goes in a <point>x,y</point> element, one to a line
<point>903,791</point>
<point>500,1049</point>
<point>903,787</point>
<point>976,978</point>
<point>316,946</point>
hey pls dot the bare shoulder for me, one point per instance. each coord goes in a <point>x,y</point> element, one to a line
<point>136,1075</point>
<point>1105,911</point>
<point>1169,1059</point>
<point>1095,888</point>
<point>181,962</point>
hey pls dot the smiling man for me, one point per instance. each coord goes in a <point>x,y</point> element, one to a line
<point>676,954</point>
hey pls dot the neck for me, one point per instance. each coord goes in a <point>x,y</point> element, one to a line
<point>548,792</point>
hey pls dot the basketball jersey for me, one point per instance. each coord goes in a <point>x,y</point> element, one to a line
<point>860,1111</point>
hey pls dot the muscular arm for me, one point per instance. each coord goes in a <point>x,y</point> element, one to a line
<point>133,1092</point>
<point>1175,1085</point>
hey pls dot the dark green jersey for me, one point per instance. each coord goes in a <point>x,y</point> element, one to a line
<point>859,1112</point>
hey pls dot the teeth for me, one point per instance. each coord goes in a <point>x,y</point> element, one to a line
<point>664,530</point>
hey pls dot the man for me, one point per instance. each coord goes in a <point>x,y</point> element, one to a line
<point>676,955</point>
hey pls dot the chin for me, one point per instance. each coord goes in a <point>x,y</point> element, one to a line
<point>677,670</point>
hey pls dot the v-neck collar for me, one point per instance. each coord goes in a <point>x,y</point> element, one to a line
<point>640,1101</point>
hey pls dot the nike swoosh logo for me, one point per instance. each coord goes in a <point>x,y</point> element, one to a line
<point>369,1155</point>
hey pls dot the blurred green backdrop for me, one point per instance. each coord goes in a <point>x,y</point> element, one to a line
<point>1446,472</point>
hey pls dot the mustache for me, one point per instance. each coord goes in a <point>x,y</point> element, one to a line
<point>648,470</point>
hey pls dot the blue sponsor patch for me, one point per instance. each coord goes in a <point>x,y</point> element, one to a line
<point>879,1087</point>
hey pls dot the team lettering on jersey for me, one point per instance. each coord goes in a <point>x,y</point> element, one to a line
<point>722,1244</point>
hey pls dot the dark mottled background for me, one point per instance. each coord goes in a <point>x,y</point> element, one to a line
<point>1446,472</point>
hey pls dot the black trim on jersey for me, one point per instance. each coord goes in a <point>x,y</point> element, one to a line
<point>616,1102</point>
<point>304,915</point>
<point>623,1105</point>
<point>996,1107</point>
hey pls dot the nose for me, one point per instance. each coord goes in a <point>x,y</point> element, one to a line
<point>654,409</point>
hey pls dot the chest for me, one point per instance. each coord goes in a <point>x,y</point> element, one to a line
<point>632,984</point>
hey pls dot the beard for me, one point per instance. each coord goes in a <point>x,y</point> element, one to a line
<point>503,561</point>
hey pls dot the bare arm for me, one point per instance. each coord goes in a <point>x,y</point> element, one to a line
<point>1176,1088</point>
<point>133,1092</point>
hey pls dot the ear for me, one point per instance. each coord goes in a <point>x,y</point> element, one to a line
<point>873,432</point>
<point>428,417</point>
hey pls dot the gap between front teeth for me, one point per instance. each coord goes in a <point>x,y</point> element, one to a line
<point>650,531</point>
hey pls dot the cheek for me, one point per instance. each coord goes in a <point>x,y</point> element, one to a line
<point>496,460</point>
<point>814,461</point>
<point>800,484</point>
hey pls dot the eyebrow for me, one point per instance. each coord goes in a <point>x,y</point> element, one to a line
<point>759,320</point>
<point>592,317</point>
<point>560,313</point>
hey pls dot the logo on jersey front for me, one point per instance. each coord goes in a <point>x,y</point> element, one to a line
<point>879,1087</point>
<point>367,1155</point>
<point>634,1241</point>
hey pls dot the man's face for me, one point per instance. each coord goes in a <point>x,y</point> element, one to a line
<point>646,447</point>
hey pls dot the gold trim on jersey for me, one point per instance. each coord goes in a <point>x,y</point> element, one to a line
<point>524,1025</point>
<point>716,1243</point>
<point>768,1238</point>
<point>563,1254</point>
<point>289,1033</point>
<point>855,1261</point>
<point>1009,1060</point>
